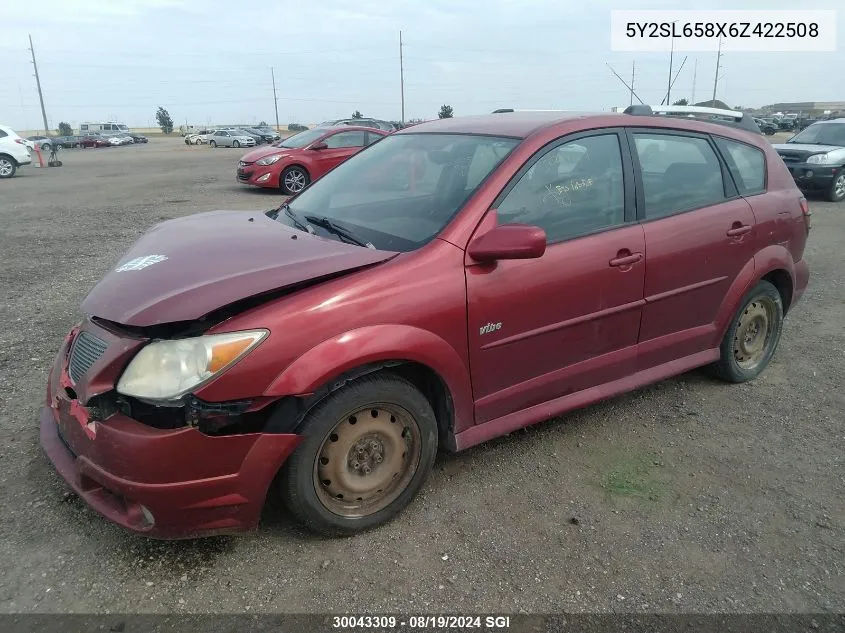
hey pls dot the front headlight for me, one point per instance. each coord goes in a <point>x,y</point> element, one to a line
<point>269,160</point>
<point>167,370</point>
<point>818,159</point>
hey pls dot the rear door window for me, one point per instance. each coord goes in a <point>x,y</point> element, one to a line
<point>679,173</point>
<point>746,163</point>
<point>354,138</point>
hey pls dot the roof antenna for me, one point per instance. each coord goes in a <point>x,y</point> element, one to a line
<point>631,88</point>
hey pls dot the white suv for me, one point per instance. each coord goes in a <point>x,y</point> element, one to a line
<point>14,152</point>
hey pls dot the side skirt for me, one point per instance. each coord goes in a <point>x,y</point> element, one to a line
<point>519,419</point>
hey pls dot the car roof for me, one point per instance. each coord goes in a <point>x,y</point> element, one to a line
<point>515,124</point>
<point>522,124</point>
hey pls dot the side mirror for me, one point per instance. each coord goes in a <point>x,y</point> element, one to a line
<point>319,146</point>
<point>509,241</point>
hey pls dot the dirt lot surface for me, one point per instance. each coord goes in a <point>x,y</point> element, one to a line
<point>690,495</point>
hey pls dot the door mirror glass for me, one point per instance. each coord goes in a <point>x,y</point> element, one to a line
<point>509,241</point>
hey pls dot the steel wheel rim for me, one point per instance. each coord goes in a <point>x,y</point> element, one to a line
<point>839,186</point>
<point>367,460</point>
<point>295,180</point>
<point>5,167</point>
<point>753,335</point>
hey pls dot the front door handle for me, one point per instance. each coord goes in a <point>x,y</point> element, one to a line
<point>738,229</point>
<point>625,260</point>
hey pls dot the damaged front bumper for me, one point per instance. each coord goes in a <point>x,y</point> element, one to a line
<point>163,483</point>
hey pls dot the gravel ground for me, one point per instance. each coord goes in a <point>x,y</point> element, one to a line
<point>689,495</point>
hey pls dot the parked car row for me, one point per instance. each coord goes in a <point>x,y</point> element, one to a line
<point>258,135</point>
<point>45,143</point>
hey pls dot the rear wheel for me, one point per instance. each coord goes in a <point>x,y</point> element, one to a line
<point>8,167</point>
<point>294,179</point>
<point>753,335</point>
<point>837,188</point>
<point>367,450</point>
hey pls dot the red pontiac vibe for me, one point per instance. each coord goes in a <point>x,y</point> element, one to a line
<point>293,163</point>
<point>450,283</point>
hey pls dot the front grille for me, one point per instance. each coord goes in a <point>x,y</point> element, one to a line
<point>86,349</point>
<point>792,157</point>
<point>242,175</point>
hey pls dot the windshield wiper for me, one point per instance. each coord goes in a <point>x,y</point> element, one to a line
<point>297,222</point>
<point>338,230</point>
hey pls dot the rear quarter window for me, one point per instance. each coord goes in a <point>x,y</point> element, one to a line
<point>747,165</point>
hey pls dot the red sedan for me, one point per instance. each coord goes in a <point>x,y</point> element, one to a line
<point>292,163</point>
<point>94,141</point>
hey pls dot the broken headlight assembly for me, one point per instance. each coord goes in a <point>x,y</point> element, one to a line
<point>167,370</point>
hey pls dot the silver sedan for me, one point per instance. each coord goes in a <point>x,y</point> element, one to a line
<point>225,138</point>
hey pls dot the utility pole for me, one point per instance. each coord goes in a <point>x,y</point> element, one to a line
<point>633,63</point>
<point>718,61</point>
<point>38,83</point>
<point>275,98</point>
<point>401,78</point>
<point>671,54</point>
<point>694,73</point>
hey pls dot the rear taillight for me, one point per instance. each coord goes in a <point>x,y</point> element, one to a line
<point>805,211</point>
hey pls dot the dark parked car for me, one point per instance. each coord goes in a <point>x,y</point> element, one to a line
<point>137,138</point>
<point>259,135</point>
<point>766,127</point>
<point>816,158</point>
<point>449,284</point>
<point>373,123</point>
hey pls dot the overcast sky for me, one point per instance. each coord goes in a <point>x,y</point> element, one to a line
<point>209,61</point>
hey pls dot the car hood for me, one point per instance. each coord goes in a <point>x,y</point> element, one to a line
<point>807,148</point>
<point>185,268</point>
<point>256,154</point>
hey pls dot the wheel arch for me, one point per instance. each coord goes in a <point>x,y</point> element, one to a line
<point>419,356</point>
<point>773,264</point>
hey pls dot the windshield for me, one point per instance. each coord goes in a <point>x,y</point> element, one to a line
<point>821,134</point>
<point>402,191</point>
<point>302,139</point>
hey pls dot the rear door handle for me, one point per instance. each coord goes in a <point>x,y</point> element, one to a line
<point>626,260</point>
<point>738,230</point>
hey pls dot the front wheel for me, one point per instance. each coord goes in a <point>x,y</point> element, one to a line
<point>212,143</point>
<point>367,450</point>
<point>294,179</point>
<point>753,335</point>
<point>8,167</point>
<point>837,188</point>
<point>236,144</point>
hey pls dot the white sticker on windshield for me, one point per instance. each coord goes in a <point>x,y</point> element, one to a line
<point>140,262</point>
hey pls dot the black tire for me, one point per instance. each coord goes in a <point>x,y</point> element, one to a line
<point>306,494</point>
<point>289,185</point>
<point>187,141</point>
<point>736,364</point>
<point>8,166</point>
<point>837,188</point>
<point>236,144</point>
<point>212,143</point>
